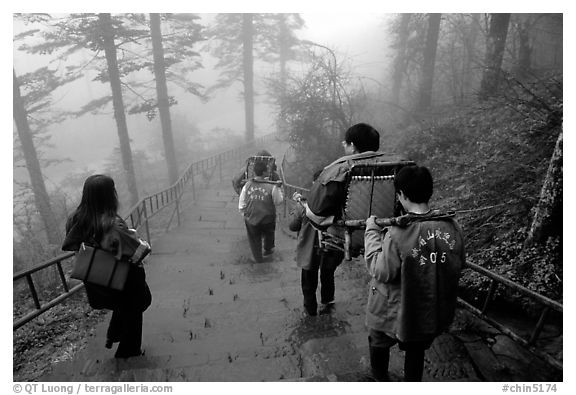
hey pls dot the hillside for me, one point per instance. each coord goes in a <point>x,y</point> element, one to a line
<point>489,160</point>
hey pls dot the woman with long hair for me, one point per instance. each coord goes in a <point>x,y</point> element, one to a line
<point>96,223</point>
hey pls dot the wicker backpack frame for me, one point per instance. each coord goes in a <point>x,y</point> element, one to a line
<point>270,165</point>
<point>369,189</point>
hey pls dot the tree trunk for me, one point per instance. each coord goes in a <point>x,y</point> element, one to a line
<point>283,51</point>
<point>548,216</point>
<point>470,59</point>
<point>425,97</point>
<point>400,60</point>
<point>162,93</point>
<point>248,65</point>
<point>284,55</point>
<point>53,233</point>
<point>524,60</point>
<point>118,104</point>
<point>496,41</point>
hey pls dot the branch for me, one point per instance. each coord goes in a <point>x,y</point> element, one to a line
<point>133,91</point>
<point>484,208</point>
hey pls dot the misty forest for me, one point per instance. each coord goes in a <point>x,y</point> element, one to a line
<point>477,98</point>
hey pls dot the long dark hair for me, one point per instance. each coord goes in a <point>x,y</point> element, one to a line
<point>98,208</point>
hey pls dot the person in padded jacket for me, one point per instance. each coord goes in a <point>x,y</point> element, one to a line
<point>257,203</point>
<point>415,271</point>
<point>327,196</point>
<point>311,258</point>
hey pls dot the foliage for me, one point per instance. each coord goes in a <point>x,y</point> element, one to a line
<point>491,154</point>
<point>56,336</point>
<point>37,90</point>
<point>149,107</point>
<point>225,43</point>
<point>37,87</point>
<point>413,52</point>
<point>533,44</point>
<point>29,242</point>
<point>459,49</point>
<point>317,108</point>
<point>545,268</point>
<point>507,257</point>
<point>539,99</point>
<point>180,35</point>
<point>485,160</point>
<point>272,33</point>
<point>76,33</point>
<point>488,160</point>
<point>277,37</point>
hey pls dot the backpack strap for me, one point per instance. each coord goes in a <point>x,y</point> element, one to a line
<point>266,181</point>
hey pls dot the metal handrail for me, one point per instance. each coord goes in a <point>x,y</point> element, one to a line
<point>496,280</point>
<point>548,305</point>
<point>289,189</point>
<point>137,216</point>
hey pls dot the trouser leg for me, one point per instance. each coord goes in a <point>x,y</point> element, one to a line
<point>379,361</point>
<point>329,263</point>
<point>414,365</point>
<point>268,232</point>
<point>255,241</point>
<point>309,281</point>
<point>131,336</point>
<point>114,328</point>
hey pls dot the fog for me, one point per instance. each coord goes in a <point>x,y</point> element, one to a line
<point>86,143</point>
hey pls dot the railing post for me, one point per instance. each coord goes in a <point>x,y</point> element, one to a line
<point>33,290</point>
<point>147,225</point>
<point>220,166</point>
<point>192,182</point>
<point>491,291</point>
<point>539,325</point>
<point>62,277</point>
<point>285,202</point>
<point>178,208</point>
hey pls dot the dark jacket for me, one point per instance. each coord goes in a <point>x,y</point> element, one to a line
<point>327,195</point>
<point>307,244</point>
<point>123,242</point>
<point>415,272</point>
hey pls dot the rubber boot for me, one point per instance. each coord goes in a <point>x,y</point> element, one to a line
<point>379,361</point>
<point>413,365</point>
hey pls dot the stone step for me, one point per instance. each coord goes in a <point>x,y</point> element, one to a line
<point>347,358</point>
<point>283,362</point>
<point>249,370</point>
